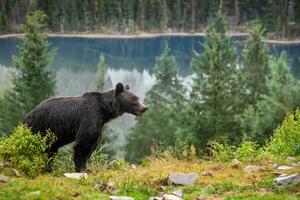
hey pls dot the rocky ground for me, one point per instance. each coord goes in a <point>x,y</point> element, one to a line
<point>160,179</point>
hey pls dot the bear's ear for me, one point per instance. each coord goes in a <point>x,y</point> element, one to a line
<point>119,88</point>
<point>127,87</point>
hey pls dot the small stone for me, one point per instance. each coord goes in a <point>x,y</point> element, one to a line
<point>171,197</point>
<point>120,198</point>
<point>274,165</point>
<point>35,193</point>
<point>285,181</point>
<point>3,179</point>
<point>7,164</point>
<point>16,173</point>
<point>284,168</point>
<point>133,166</point>
<point>295,164</point>
<point>235,163</point>
<point>201,197</point>
<point>291,158</point>
<point>75,175</point>
<point>283,175</point>
<point>155,198</point>
<point>178,193</point>
<point>183,179</point>
<point>162,188</point>
<point>207,173</point>
<point>250,168</point>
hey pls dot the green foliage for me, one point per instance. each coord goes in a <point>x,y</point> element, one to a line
<point>215,90</point>
<point>165,100</point>
<point>286,139</point>
<point>282,16</point>
<point>255,63</point>
<point>32,82</point>
<point>98,158</point>
<point>222,151</point>
<point>248,152</point>
<point>282,97</point>
<point>101,84</point>
<point>27,151</point>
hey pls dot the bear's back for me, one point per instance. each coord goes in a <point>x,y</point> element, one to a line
<point>61,114</point>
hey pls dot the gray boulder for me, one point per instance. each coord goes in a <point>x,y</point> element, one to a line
<point>183,179</point>
<point>287,180</point>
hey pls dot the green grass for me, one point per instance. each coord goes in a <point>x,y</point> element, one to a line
<point>148,180</point>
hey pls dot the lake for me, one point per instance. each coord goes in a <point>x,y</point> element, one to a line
<point>129,60</point>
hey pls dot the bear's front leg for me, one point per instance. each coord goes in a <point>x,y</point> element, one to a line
<point>85,143</point>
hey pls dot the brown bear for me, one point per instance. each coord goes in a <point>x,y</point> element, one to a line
<point>82,118</point>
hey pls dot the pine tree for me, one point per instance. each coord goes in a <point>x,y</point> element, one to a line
<point>165,101</point>
<point>32,83</point>
<point>283,97</point>
<point>215,93</point>
<point>101,82</point>
<point>255,63</point>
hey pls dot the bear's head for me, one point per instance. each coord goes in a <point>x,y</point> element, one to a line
<point>127,102</point>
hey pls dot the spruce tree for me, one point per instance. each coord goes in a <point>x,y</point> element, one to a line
<point>282,97</point>
<point>215,94</point>
<point>32,82</point>
<point>101,82</point>
<point>255,63</point>
<point>165,101</point>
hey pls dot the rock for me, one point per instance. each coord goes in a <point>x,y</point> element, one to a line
<point>295,164</point>
<point>287,180</point>
<point>105,187</point>
<point>250,168</point>
<point>178,193</point>
<point>162,188</point>
<point>291,158</point>
<point>7,164</point>
<point>171,197</point>
<point>133,166</point>
<point>207,173</point>
<point>120,198</point>
<point>274,165</point>
<point>16,173</point>
<point>235,163</point>
<point>183,179</point>
<point>155,198</point>
<point>35,193</point>
<point>284,168</point>
<point>75,175</point>
<point>201,197</point>
<point>3,179</point>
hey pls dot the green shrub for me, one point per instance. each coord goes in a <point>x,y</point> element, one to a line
<point>98,158</point>
<point>286,139</point>
<point>222,151</point>
<point>26,151</point>
<point>248,152</point>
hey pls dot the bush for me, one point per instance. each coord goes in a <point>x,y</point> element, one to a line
<point>27,151</point>
<point>286,139</point>
<point>248,152</point>
<point>222,151</point>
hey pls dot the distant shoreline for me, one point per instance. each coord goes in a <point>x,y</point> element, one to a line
<point>146,35</point>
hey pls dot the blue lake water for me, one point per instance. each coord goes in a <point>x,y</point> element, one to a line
<point>129,60</point>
